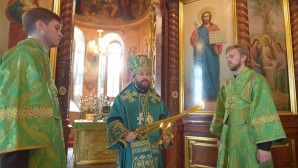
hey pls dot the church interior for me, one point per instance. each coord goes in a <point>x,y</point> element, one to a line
<point>100,36</point>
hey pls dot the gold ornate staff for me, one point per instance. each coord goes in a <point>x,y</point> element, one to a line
<point>146,130</point>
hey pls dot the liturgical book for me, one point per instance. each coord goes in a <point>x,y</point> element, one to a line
<point>217,37</point>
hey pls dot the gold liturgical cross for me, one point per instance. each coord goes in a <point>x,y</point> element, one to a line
<point>140,118</point>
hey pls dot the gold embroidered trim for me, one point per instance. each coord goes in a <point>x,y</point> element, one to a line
<point>116,127</point>
<point>154,96</point>
<point>264,119</point>
<point>26,113</point>
<point>24,148</point>
<point>145,154</point>
<point>116,130</point>
<point>247,85</point>
<point>140,146</point>
<point>145,161</point>
<point>129,96</point>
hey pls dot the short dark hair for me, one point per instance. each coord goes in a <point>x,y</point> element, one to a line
<point>243,50</point>
<point>36,14</point>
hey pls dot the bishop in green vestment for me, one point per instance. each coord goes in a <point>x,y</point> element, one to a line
<point>246,119</point>
<point>29,113</point>
<point>137,105</point>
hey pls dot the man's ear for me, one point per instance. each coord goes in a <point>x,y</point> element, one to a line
<point>39,25</point>
<point>244,58</point>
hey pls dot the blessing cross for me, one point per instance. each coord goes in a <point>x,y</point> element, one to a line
<point>140,118</point>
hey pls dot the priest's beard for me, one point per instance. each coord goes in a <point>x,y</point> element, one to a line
<point>235,67</point>
<point>143,85</point>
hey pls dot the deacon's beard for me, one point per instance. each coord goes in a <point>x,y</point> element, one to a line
<point>235,67</point>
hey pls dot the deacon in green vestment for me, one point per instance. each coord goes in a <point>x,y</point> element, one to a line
<point>137,105</point>
<point>246,120</point>
<point>30,119</point>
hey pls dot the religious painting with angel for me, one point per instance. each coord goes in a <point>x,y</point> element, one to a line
<point>268,49</point>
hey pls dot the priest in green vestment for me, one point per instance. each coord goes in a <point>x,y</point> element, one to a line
<point>246,120</point>
<point>137,105</point>
<point>31,128</point>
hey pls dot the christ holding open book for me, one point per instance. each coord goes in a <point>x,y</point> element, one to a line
<point>206,58</point>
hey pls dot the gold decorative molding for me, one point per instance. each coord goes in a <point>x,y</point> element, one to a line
<point>53,51</point>
<point>181,59</point>
<point>192,142</point>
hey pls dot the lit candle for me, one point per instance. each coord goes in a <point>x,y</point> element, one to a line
<point>169,125</point>
<point>202,104</point>
<point>161,125</point>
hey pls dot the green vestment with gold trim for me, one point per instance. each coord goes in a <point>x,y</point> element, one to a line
<point>29,112</point>
<point>131,110</point>
<point>245,116</point>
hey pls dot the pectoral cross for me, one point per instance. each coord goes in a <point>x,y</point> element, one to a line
<point>140,118</point>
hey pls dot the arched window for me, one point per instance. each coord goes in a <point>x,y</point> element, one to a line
<point>76,84</point>
<point>114,68</point>
<point>110,64</point>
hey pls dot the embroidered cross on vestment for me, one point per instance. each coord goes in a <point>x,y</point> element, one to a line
<point>140,118</point>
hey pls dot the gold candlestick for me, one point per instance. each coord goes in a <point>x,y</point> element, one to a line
<point>164,125</point>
